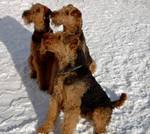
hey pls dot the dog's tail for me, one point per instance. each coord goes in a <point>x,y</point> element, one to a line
<point>120,102</point>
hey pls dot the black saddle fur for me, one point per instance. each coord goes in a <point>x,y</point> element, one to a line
<point>95,96</point>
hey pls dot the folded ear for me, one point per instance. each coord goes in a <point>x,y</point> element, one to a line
<point>72,41</point>
<point>76,13</point>
<point>67,39</point>
<point>47,11</point>
<point>46,36</point>
<point>73,44</point>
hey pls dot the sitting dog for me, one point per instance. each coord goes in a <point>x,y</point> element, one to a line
<point>76,91</point>
<point>43,67</point>
<point>71,19</point>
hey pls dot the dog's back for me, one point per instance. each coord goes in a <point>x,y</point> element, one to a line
<point>96,97</point>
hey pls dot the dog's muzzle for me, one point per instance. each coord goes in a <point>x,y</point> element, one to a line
<point>26,13</point>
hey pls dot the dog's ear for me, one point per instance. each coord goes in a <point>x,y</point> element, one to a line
<point>47,11</point>
<point>46,35</point>
<point>67,38</point>
<point>76,13</point>
<point>74,44</point>
<point>71,40</point>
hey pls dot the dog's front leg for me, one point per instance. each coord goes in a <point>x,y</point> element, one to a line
<point>33,73</point>
<point>71,118</point>
<point>53,111</point>
<point>101,118</point>
<point>41,76</point>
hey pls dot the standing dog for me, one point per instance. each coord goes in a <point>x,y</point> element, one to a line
<point>71,19</point>
<point>76,91</point>
<point>44,67</point>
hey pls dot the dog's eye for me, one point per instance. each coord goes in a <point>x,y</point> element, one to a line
<point>38,10</point>
<point>46,47</point>
<point>33,12</point>
<point>59,37</point>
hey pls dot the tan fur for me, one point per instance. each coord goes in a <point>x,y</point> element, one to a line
<point>68,97</point>
<point>120,102</point>
<point>71,19</point>
<point>64,53</point>
<point>101,118</point>
<point>43,67</point>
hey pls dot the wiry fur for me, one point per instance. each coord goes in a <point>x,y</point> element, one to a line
<point>71,19</point>
<point>43,67</point>
<point>76,91</point>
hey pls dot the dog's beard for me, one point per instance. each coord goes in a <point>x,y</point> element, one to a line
<point>42,51</point>
<point>26,21</point>
<point>57,28</point>
<point>55,23</point>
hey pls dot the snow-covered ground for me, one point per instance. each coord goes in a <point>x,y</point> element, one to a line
<point>118,36</point>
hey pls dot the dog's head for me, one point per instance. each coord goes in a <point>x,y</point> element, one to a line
<point>63,46</point>
<point>39,15</point>
<point>69,16</point>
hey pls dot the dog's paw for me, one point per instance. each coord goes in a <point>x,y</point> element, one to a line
<point>43,130</point>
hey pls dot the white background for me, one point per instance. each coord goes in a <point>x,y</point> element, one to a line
<point>118,35</point>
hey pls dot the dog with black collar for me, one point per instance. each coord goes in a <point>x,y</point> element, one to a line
<point>76,91</point>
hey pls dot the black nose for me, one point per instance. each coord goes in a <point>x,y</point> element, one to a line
<point>49,12</point>
<point>26,13</point>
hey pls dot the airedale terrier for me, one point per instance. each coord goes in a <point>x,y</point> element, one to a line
<point>71,19</point>
<point>43,67</point>
<point>76,91</point>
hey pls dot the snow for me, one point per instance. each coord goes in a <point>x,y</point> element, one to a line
<point>118,35</point>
